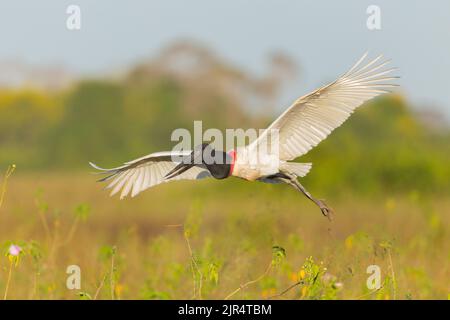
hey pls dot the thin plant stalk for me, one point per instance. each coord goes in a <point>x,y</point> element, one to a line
<point>9,279</point>
<point>243,286</point>
<point>9,172</point>
<point>112,275</point>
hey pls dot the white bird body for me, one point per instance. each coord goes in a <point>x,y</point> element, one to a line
<point>251,166</point>
<point>301,127</point>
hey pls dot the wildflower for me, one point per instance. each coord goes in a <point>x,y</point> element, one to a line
<point>14,253</point>
<point>118,289</point>
<point>294,276</point>
<point>304,292</point>
<point>302,274</point>
<point>328,278</point>
<point>267,293</point>
<point>14,250</point>
<point>338,285</point>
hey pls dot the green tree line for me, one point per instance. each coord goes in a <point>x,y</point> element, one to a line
<point>382,147</point>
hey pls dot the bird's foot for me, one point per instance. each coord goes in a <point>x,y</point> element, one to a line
<point>326,210</point>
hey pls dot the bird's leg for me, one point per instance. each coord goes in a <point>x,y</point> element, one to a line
<point>292,180</point>
<point>326,211</point>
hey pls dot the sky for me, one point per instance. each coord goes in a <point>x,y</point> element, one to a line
<point>324,37</point>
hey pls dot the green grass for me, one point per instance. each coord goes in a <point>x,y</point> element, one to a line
<point>217,240</point>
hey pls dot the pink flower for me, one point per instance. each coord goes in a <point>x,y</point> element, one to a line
<point>14,250</point>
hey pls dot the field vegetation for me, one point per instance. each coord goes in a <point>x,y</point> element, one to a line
<point>385,172</point>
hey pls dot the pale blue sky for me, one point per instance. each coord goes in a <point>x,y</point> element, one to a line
<point>324,37</point>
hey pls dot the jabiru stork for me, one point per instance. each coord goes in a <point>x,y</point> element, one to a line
<point>302,126</point>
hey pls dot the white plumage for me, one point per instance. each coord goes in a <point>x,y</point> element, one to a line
<point>148,171</point>
<point>308,121</point>
<point>311,118</point>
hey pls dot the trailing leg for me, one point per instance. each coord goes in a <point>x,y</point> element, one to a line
<point>292,180</point>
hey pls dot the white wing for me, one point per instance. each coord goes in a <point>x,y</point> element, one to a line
<point>311,118</point>
<point>148,171</point>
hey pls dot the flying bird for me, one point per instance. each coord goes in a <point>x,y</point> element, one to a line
<point>301,127</point>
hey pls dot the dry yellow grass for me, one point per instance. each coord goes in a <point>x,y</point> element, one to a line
<point>230,228</point>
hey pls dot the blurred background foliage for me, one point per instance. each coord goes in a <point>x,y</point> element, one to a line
<point>385,172</point>
<point>385,147</point>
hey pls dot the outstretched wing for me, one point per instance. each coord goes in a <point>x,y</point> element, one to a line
<point>140,174</point>
<point>311,118</point>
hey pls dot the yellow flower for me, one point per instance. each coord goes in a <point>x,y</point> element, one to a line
<point>349,242</point>
<point>266,293</point>
<point>118,290</point>
<point>304,292</point>
<point>302,274</point>
<point>294,276</point>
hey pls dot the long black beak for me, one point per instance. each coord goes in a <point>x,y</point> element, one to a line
<point>179,169</point>
<point>196,157</point>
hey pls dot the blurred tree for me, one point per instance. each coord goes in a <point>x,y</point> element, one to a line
<point>92,126</point>
<point>383,148</point>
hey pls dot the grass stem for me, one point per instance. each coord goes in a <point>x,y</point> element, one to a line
<point>243,286</point>
<point>8,280</point>
<point>8,173</point>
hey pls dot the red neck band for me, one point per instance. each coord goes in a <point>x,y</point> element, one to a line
<point>232,154</point>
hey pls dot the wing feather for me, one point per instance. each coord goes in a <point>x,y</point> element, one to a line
<point>140,174</point>
<point>311,118</point>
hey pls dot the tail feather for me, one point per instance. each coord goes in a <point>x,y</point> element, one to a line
<point>299,169</point>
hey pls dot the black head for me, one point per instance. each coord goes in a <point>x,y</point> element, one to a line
<point>217,162</point>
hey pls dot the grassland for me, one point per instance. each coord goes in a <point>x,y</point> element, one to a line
<point>216,240</point>
<point>386,172</point>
